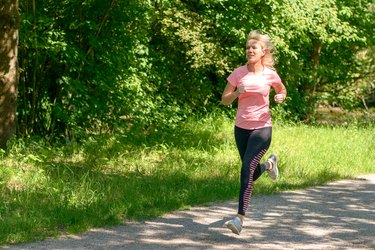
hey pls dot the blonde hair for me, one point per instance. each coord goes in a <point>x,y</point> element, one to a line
<point>267,46</point>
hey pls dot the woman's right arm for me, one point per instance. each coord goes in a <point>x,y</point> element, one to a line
<point>229,94</point>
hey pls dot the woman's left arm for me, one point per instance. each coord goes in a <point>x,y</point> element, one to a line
<point>280,93</point>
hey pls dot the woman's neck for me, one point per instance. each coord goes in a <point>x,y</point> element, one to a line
<point>256,68</point>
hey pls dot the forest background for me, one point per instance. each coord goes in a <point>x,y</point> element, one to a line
<point>117,115</point>
<point>91,66</point>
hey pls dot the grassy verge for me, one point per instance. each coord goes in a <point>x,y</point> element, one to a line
<point>47,190</point>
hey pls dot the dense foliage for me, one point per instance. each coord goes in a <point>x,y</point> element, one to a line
<point>89,65</point>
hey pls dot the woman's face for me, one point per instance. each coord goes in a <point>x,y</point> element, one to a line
<point>254,51</point>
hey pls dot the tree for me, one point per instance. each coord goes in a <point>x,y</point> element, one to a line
<point>8,68</point>
<point>90,66</point>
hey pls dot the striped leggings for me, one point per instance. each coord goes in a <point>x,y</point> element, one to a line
<point>252,145</point>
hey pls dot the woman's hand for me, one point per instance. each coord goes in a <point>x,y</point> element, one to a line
<point>279,98</point>
<point>241,89</point>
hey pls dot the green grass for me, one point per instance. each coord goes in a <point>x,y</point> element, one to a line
<point>103,180</point>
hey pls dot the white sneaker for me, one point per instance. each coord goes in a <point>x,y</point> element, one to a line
<point>235,225</point>
<point>274,172</point>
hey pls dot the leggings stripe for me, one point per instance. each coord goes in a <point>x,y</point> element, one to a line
<point>249,189</point>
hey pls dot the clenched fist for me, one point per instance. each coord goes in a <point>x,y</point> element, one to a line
<point>279,98</point>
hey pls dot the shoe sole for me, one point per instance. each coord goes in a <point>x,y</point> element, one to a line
<point>275,168</point>
<point>233,228</point>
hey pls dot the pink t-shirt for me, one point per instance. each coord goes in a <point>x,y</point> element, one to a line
<point>253,106</point>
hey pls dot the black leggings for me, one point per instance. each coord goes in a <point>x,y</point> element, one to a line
<point>252,145</point>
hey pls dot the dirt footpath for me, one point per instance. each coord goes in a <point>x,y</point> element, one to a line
<point>340,215</point>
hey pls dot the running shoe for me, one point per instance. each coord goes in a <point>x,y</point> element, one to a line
<point>274,172</point>
<point>235,225</point>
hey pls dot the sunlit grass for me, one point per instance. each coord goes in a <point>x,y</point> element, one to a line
<point>48,189</point>
<point>314,155</point>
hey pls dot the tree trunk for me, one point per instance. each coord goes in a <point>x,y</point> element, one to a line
<point>316,59</point>
<point>9,22</point>
<point>310,89</point>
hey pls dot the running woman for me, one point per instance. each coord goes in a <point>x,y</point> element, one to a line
<point>251,84</point>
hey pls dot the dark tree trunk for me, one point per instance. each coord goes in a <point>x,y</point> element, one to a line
<point>9,22</point>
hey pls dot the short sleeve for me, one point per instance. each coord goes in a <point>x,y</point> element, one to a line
<point>233,79</point>
<point>276,80</point>
<point>236,75</point>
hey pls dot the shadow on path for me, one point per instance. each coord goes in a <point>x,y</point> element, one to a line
<point>340,215</point>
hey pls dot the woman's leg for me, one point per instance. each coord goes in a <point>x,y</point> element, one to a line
<point>252,145</point>
<point>242,136</point>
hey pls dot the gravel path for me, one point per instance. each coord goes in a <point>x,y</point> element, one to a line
<point>340,215</point>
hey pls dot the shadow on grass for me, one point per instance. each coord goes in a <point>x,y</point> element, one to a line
<point>180,138</point>
<point>77,199</point>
